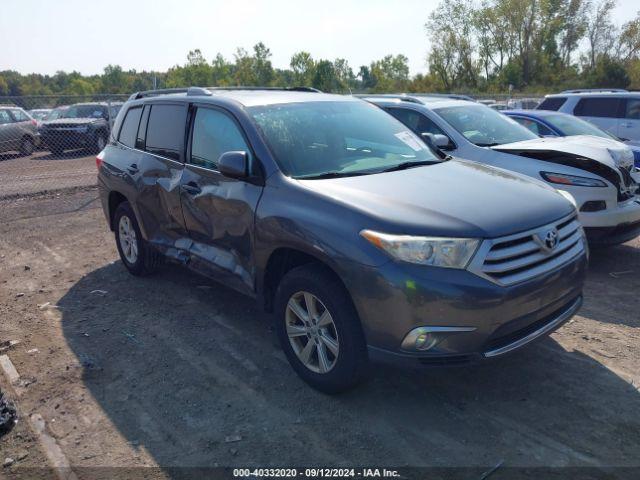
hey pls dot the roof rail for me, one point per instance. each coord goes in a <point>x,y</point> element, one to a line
<point>286,89</point>
<point>191,91</point>
<point>403,97</point>
<point>596,90</point>
<point>200,91</point>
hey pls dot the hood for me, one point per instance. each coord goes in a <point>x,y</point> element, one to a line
<point>604,157</point>
<point>60,122</point>
<point>609,152</point>
<point>456,198</point>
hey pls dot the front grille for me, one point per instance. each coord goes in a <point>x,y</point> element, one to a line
<point>523,256</point>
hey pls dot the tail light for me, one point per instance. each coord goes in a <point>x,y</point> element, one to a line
<point>34,122</point>
<point>99,159</point>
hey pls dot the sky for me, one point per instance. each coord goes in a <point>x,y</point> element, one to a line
<point>44,36</point>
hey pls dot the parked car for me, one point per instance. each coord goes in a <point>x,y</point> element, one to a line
<point>57,112</point>
<point>523,103</point>
<point>498,106</point>
<point>18,131</point>
<point>598,173</point>
<point>365,243</point>
<point>615,111</point>
<point>83,125</point>
<point>547,123</point>
<point>39,114</point>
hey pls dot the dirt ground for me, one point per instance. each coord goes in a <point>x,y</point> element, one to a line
<point>177,371</point>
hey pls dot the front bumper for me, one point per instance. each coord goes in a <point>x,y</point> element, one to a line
<point>395,298</point>
<point>65,139</point>
<point>613,225</point>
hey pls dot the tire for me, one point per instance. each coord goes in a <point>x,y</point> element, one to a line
<point>27,146</point>
<point>350,365</point>
<point>146,260</point>
<point>99,142</point>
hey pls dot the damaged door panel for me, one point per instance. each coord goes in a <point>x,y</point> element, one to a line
<point>157,172</point>
<point>218,211</point>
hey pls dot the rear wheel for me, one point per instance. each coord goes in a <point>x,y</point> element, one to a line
<point>136,254</point>
<point>27,146</point>
<point>319,329</point>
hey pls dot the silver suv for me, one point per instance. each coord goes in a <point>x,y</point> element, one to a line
<point>18,131</point>
<point>616,111</point>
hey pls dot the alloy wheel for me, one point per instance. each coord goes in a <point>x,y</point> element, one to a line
<point>128,239</point>
<point>312,332</point>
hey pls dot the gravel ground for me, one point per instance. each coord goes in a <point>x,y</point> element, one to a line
<point>45,171</point>
<point>174,370</point>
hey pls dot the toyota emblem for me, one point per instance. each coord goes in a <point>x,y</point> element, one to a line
<point>551,239</point>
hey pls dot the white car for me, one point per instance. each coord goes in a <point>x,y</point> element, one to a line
<point>615,111</point>
<point>598,173</point>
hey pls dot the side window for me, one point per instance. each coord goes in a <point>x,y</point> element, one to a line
<point>129,129</point>
<point>19,116</point>
<point>142,130</point>
<point>417,122</point>
<point>4,117</point>
<point>552,103</point>
<point>534,126</point>
<point>598,107</point>
<point>633,108</point>
<point>165,130</point>
<point>214,133</point>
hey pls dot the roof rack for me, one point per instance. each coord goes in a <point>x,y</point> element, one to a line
<point>596,90</point>
<point>168,91</point>
<point>395,96</point>
<point>206,91</point>
<point>285,89</point>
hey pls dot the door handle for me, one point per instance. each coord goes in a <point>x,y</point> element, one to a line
<point>192,188</point>
<point>133,169</point>
<point>626,124</point>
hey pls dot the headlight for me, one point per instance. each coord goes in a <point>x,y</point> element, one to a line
<point>574,180</point>
<point>435,251</point>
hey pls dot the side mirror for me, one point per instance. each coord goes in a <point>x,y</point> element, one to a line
<point>234,164</point>
<point>440,141</point>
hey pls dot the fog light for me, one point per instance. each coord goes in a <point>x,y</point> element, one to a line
<point>425,338</point>
<point>425,341</point>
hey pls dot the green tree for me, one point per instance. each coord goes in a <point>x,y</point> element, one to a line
<point>303,68</point>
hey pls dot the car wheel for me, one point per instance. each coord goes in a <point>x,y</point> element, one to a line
<point>99,142</point>
<point>27,146</point>
<point>319,329</point>
<point>136,254</point>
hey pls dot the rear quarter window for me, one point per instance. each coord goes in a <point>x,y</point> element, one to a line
<point>552,103</point>
<point>598,107</point>
<point>129,129</point>
<point>166,130</point>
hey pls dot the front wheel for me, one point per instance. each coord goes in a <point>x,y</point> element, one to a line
<point>27,146</point>
<point>136,254</point>
<point>319,329</point>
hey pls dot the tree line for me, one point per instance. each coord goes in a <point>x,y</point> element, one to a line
<point>476,46</point>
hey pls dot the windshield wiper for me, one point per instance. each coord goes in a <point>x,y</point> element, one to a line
<point>406,165</point>
<point>494,144</point>
<point>331,174</point>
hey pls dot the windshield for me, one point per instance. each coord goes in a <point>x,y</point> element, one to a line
<point>83,111</point>
<point>342,138</point>
<point>484,126</point>
<point>570,126</point>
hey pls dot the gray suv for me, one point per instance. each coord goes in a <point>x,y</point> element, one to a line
<point>363,242</point>
<point>18,131</point>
